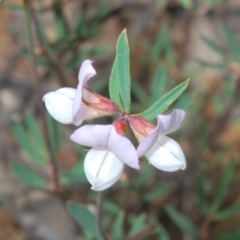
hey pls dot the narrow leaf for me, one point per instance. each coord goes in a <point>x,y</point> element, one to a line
<point>76,174</point>
<point>232,44</point>
<point>181,221</point>
<point>54,133</point>
<point>214,46</point>
<point>37,137</point>
<point>224,185</point>
<point>27,176</point>
<point>24,141</point>
<point>156,193</point>
<point>137,224</point>
<point>84,217</point>
<point>120,81</point>
<point>233,235</point>
<point>160,230</point>
<point>202,194</point>
<point>118,226</point>
<point>163,103</point>
<point>186,3</point>
<point>228,212</point>
<point>60,22</point>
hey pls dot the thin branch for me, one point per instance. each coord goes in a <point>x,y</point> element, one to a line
<point>50,56</point>
<point>52,162</point>
<point>100,198</point>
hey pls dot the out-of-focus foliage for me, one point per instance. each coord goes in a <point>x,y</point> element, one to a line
<point>201,202</point>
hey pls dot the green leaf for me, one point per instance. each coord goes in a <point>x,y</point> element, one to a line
<point>137,224</point>
<point>233,235</point>
<point>224,186</point>
<point>3,199</point>
<point>214,46</point>
<point>84,217</point>
<point>37,137</point>
<point>54,134</point>
<point>76,174</point>
<point>120,80</point>
<point>118,226</point>
<point>24,140</point>
<point>202,194</point>
<point>159,84</point>
<point>232,44</point>
<point>163,103</point>
<point>210,64</point>
<point>160,230</point>
<point>81,25</point>
<point>60,22</point>
<point>27,176</point>
<point>185,101</point>
<point>186,3</point>
<point>146,171</point>
<point>156,193</point>
<point>181,221</point>
<point>227,212</point>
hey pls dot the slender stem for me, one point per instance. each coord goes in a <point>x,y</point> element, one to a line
<point>54,62</point>
<point>100,198</point>
<point>52,163</point>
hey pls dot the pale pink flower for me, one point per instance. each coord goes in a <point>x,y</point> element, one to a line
<point>162,152</point>
<point>69,105</point>
<point>103,164</point>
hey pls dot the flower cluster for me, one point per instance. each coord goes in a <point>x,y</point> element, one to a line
<point>110,149</point>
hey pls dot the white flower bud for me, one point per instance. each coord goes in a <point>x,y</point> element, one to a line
<point>166,155</point>
<point>102,168</point>
<point>59,104</point>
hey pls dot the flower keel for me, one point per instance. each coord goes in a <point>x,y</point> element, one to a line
<point>102,168</point>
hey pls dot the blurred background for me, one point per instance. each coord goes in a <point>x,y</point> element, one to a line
<point>170,41</point>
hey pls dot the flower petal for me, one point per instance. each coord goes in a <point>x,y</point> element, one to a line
<point>171,122</point>
<point>166,155</point>
<point>166,124</point>
<point>123,149</point>
<point>59,104</point>
<point>86,72</point>
<point>106,136</point>
<point>92,135</point>
<point>102,168</point>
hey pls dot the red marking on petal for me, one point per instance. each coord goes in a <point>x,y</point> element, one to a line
<point>120,126</point>
<point>140,126</point>
<point>102,105</point>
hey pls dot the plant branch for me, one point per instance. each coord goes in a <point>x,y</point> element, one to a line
<point>100,198</point>
<point>54,62</point>
<point>52,162</point>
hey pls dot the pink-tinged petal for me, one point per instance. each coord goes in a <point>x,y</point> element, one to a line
<point>123,149</point>
<point>92,135</point>
<point>166,155</point>
<point>172,122</point>
<point>148,142</point>
<point>140,126</point>
<point>86,72</point>
<point>106,136</point>
<point>166,124</point>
